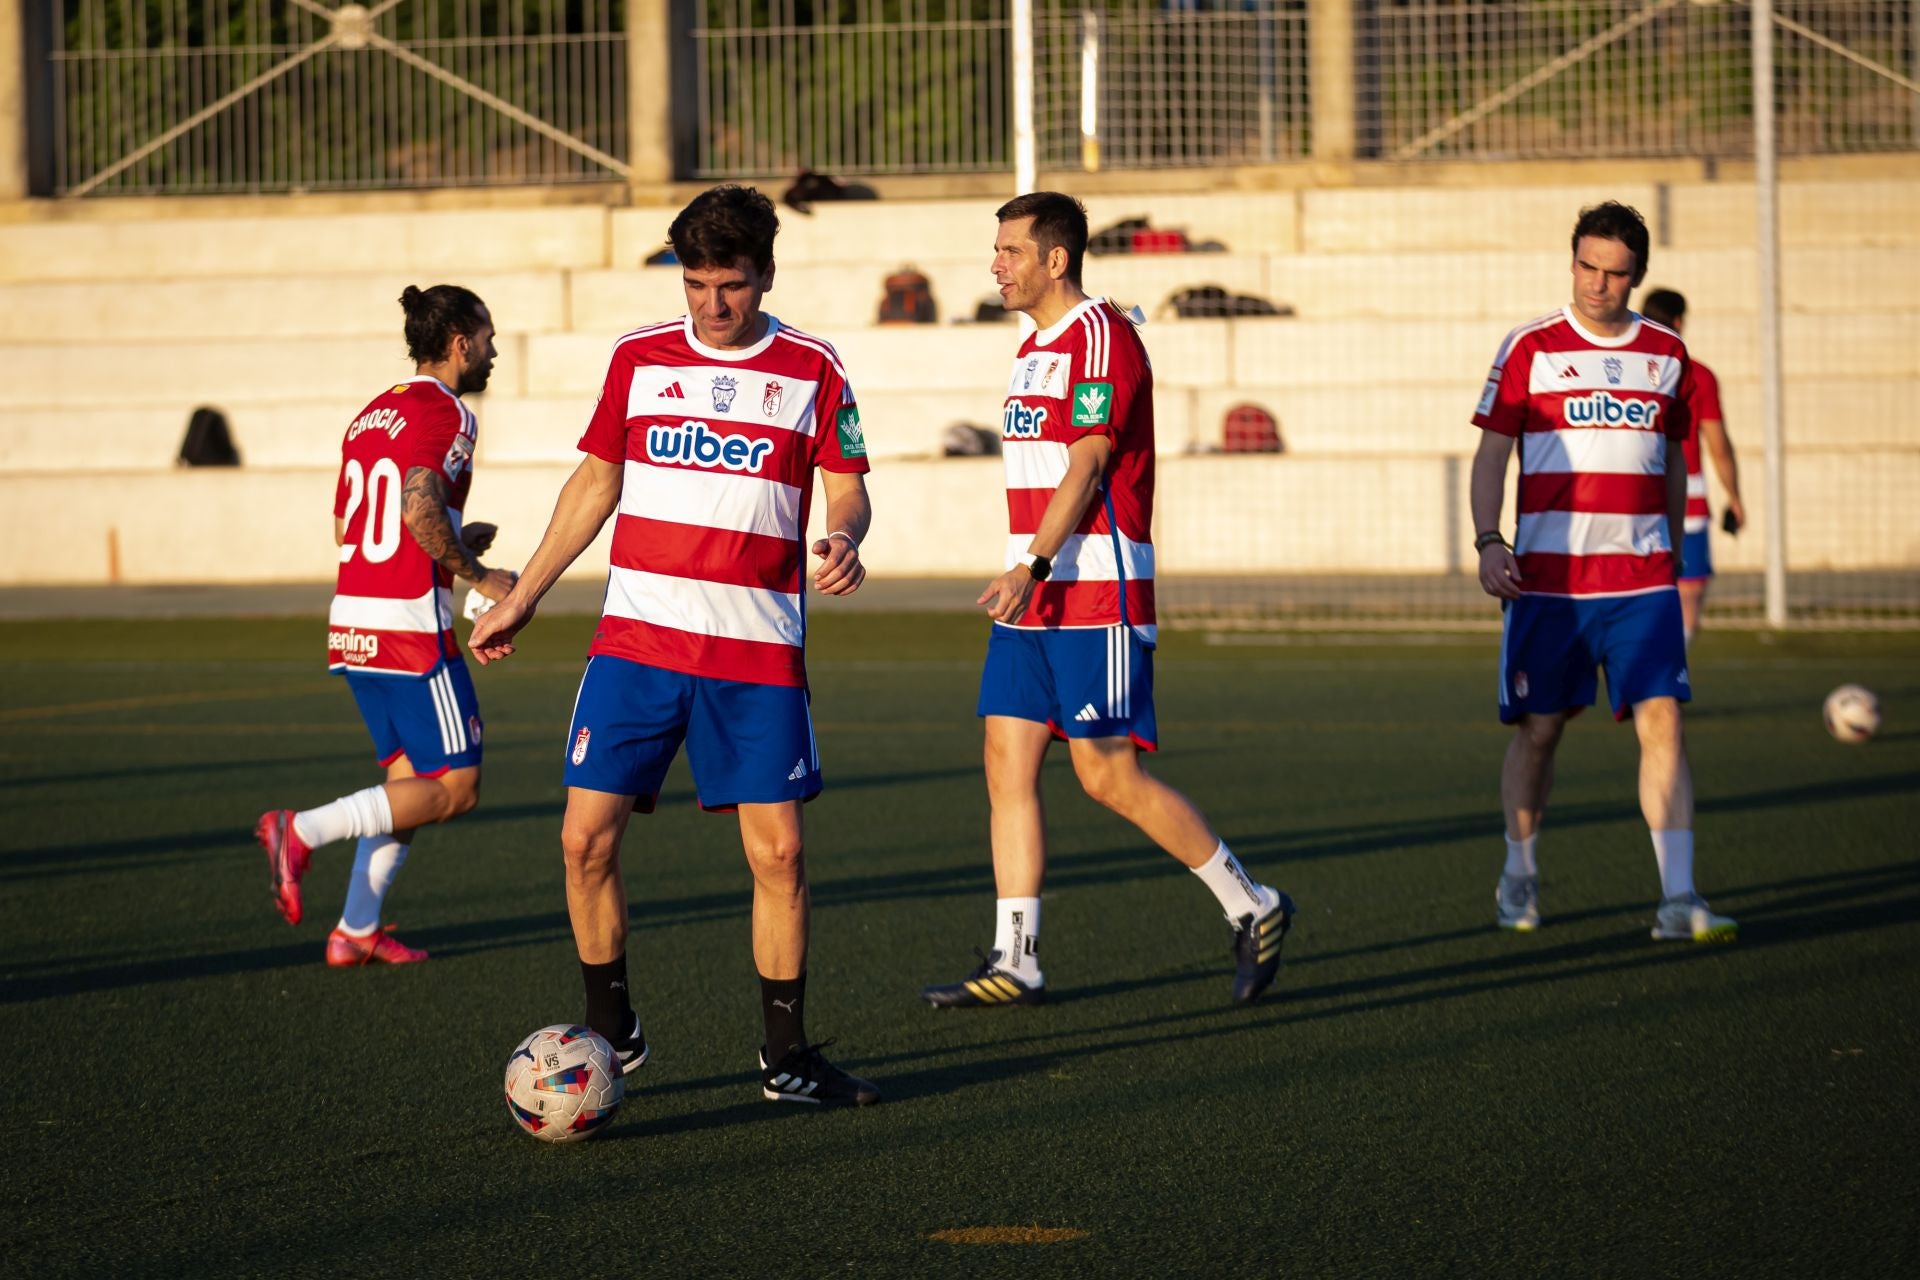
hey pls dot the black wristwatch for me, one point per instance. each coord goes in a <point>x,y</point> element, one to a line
<point>1039,568</point>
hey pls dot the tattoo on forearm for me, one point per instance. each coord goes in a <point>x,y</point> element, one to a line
<point>424,508</point>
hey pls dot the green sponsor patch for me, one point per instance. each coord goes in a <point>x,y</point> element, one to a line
<point>853,442</point>
<point>1092,404</point>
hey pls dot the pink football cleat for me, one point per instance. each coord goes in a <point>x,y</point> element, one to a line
<point>344,951</point>
<point>287,858</point>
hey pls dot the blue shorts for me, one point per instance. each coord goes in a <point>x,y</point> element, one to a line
<point>432,720</point>
<point>747,743</point>
<point>1696,556</point>
<point>1081,682</point>
<point>1551,646</point>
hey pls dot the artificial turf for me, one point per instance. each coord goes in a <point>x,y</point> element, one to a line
<point>192,1092</point>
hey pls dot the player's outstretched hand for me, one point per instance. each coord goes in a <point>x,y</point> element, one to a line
<point>478,536</point>
<point>493,632</point>
<point>1499,571</point>
<point>1007,595</point>
<point>840,572</point>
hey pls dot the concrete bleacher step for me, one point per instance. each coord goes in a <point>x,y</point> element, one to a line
<point>426,246</point>
<point>323,306</point>
<point>604,303</point>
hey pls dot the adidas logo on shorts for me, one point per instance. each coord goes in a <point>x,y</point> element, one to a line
<point>1087,713</point>
<point>799,771</point>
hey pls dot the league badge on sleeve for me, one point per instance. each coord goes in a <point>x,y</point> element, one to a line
<point>1092,404</point>
<point>853,442</point>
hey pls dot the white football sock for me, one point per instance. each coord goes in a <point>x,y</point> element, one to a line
<point>1673,850</point>
<point>1237,891</point>
<point>1016,936</point>
<point>364,813</point>
<point>375,863</point>
<point>1520,856</point>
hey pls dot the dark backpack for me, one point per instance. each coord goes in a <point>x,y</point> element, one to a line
<point>907,298</point>
<point>1210,301</point>
<point>209,443</point>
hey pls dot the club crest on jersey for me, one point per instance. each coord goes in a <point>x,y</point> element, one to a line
<point>1026,379</point>
<point>580,744</point>
<point>1653,372</point>
<point>723,391</point>
<point>1021,422</point>
<point>770,398</point>
<point>1614,370</point>
<point>1092,404</point>
<point>694,444</point>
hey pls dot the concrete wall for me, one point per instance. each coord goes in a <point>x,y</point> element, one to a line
<point>118,319</point>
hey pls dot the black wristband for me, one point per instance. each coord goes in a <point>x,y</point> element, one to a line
<point>1487,538</point>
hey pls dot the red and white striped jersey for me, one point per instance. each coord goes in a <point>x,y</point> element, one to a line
<point>1701,392</point>
<point>1593,415</point>
<point>718,449</point>
<point>1088,374</point>
<point>392,609</point>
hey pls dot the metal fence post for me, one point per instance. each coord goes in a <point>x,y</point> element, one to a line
<point>1766,189</point>
<point>650,76</point>
<point>13,101</point>
<point>1330,78</point>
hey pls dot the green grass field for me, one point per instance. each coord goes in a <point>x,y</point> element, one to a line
<point>192,1092</point>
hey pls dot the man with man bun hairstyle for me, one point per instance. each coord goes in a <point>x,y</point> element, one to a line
<point>406,465</point>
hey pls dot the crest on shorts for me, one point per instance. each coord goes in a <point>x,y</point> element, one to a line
<point>473,729</point>
<point>1519,691</point>
<point>580,744</point>
<point>1614,370</point>
<point>723,391</point>
<point>770,398</point>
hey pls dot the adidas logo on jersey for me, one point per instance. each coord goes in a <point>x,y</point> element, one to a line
<point>1087,713</point>
<point>1569,372</point>
<point>673,392</point>
<point>799,771</point>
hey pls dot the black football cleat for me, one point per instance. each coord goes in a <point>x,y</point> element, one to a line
<point>1256,950</point>
<point>806,1076</point>
<point>631,1049</point>
<point>987,985</point>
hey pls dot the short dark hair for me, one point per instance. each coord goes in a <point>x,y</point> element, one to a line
<point>435,315</point>
<point>724,224</point>
<point>1615,221</point>
<point>1059,222</point>
<point>1663,306</point>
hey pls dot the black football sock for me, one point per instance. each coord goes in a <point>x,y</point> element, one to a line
<point>783,1004</point>
<point>608,1010</point>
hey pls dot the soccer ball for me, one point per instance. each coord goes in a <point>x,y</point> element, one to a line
<point>1852,713</point>
<point>563,1083</point>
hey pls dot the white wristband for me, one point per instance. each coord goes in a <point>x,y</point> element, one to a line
<point>841,533</point>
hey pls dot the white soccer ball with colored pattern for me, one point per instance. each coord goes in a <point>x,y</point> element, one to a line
<point>563,1083</point>
<point>1852,713</point>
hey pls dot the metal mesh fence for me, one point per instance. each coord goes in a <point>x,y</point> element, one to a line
<point>1135,84</point>
<point>203,96</point>
<point>924,86</point>
<point>1522,79</point>
<point>852,86</point>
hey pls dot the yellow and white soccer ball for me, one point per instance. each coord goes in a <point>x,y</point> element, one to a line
<point>563,1083</point>
<point>1852,713</point>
